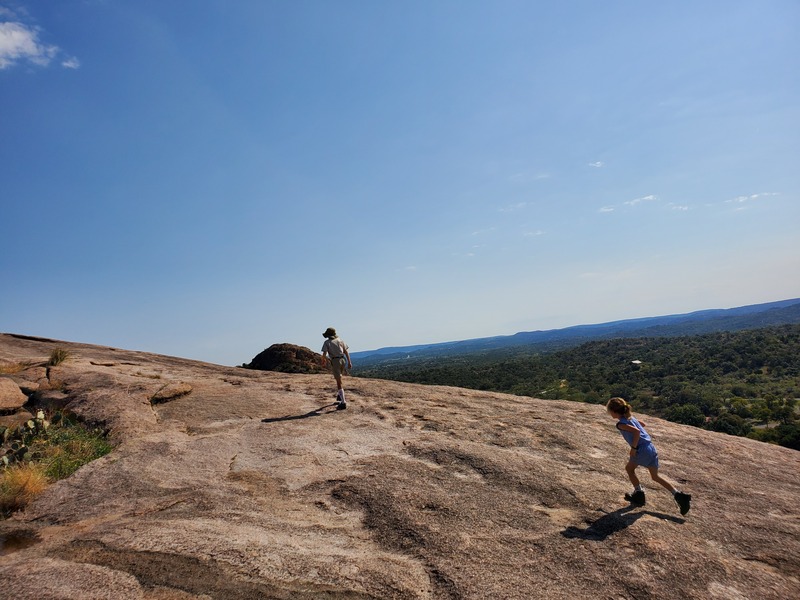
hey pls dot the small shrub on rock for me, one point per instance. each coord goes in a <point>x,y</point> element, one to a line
<point>57,356</point>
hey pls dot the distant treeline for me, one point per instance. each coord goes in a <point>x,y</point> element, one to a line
<point>743,383</point>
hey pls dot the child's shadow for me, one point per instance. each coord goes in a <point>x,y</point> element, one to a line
<point>314,413</point>
<point>612,522</point>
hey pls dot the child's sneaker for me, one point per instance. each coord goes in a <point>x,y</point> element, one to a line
<point>636,497</point>
<point>684,502</point>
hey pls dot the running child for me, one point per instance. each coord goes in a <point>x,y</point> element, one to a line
<point>643,454</point>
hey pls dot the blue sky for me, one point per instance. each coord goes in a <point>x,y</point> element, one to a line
<point>207,181</point>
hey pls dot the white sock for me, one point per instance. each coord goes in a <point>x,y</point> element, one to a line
<point>341,395</point>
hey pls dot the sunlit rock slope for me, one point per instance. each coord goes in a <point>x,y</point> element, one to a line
<point>234,484</point>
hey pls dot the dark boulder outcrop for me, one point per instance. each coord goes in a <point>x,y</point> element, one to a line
<point>287,358</point>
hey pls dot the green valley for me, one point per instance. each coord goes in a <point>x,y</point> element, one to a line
<point>742,383</point>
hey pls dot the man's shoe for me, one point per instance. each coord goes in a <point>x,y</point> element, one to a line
<point>341,405</point>
<point>684,502</point>
<point>636,497</point>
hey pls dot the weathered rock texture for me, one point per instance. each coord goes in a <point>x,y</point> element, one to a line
<point>288,358</point>
<point>252,486</point>
<point>11,396</point>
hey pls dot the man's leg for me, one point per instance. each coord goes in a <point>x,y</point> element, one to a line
<point>337,373</point>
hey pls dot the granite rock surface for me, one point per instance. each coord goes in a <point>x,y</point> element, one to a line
<point>234,484</point>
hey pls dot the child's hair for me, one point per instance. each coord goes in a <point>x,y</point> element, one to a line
<point>618,406</point>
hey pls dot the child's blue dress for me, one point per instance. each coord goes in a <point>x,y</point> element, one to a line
<point>646,455</point>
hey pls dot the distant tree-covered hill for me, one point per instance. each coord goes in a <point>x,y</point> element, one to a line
<point>754,316</point>
<point>742,383</point>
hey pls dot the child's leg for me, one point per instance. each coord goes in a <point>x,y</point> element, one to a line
<point>630,469</point>
<point>657,478</point>
<point>683,500</point>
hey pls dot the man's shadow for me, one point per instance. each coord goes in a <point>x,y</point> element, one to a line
<point>322,410</point>
<point>612,522</point>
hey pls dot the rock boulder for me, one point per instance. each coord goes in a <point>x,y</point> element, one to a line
<point>288,358</point>
<point>11,396</point>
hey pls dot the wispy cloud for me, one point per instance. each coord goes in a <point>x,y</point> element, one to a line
<point>609,208</point>
<point>473,251</point>
<point>484,231</point>
<point>741,203</point>
<point>19,43</point>
<point>636,201</point>
<point>751,197</point>
<point>597,164</point>
<point>678,206</point>
<point>536,233</point>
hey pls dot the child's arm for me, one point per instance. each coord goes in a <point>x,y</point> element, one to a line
<point>636,434</point>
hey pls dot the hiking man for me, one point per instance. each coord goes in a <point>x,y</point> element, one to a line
<point>335,350</point>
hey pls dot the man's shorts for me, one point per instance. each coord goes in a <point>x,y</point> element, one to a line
<point>338,365</point>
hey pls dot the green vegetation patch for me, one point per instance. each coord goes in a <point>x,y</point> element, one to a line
<point>744,383</point>
<point>40,452</point>
<point>69,447</point>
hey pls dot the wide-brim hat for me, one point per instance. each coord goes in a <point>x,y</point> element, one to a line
<point>330,332</point>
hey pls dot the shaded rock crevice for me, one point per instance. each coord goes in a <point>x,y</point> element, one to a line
<point>196,576</point>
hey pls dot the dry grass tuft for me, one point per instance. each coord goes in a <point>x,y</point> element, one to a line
<point>9,368</point>
<point>19,485</point>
